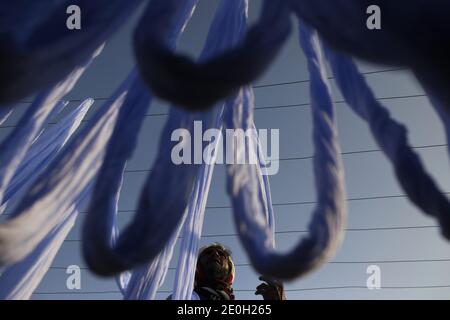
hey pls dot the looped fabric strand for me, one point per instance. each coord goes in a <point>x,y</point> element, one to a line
<point>35,42</point>
<point>392,139</point>
<point>19,280</point>
<point>98,251</point>
<point>198,86</point>
<point>329,218</point>
<point>45,177</point>
<point>159,211</point>
<point>43,150</point>
<point>59,186</point>
<point>412,34</point>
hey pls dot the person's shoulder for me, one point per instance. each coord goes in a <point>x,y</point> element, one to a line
<point>206,293</point>
<point>195,296</point>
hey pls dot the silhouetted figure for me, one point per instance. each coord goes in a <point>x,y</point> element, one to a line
<point>215,275</point>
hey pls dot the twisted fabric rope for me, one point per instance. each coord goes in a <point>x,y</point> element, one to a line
<point>265,195</point>
<point>142,282</point>
<point>99,222</point>
<point>31,125</point>
<point>392,139</point>
<point>328,223</point>
<point>19,280</point>
<point>29,128</point>
<point>197,86</point>
<point>35,42</point>
<point>131,249</point>
<point>411,34</point>
<point>43,150</point>
<point>230,24</point>
<point>46,213</point>
<point>185,275</point>
<point>159,212</point>
<point>59,186</point>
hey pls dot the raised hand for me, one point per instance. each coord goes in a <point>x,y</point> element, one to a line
<point>271,289</point>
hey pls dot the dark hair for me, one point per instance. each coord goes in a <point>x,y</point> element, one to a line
<point>216,245</point>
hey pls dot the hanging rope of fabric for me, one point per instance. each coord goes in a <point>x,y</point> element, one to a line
<point>329,218</point>
<point>99,254</point>
<point>265,195</point>
<point>45,184</point>
<point>19,280</point>
<point>159,211</point>
<point>392,139</point>
<point>42,152</point>
<point>144,282</point>
<point>226,30</point>
<point>56,189</point>
<point>197,86</point>
<point>401,39</point>
<point>28,129</point>
<point>30,28</point>
<point>31,125</point>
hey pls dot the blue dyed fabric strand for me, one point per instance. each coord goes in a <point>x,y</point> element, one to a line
<point>177,119</point>
<point>59,186</point>
<point>265,195</point>
<point>227,30</point>
<point>42,152</point>
<point>159,211</point>
<point>412,34</point>
<point>199,85</point>
<point>45,214</point>
<point>392,138</point>
<point>98,252</point>
<point>143,282</point>
<point>19,280</point>
<point>4,114</point>
<point>31,125</point>
<point>34,41</point>
<point>329,218</point>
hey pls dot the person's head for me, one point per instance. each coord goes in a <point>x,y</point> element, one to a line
<point>214,265</point>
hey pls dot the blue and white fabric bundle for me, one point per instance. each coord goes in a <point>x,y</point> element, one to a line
<point>46,175</point>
